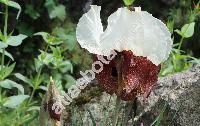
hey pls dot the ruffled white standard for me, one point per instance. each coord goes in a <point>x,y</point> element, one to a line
<point>137,31</point>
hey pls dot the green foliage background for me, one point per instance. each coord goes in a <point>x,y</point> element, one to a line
<point>38,41</point>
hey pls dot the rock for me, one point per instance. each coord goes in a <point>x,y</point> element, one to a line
<point>177,96</point>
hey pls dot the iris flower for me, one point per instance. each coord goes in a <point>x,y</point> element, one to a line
<point>141,40</point>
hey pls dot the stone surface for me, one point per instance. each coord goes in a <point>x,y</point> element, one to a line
<point>177,95</point>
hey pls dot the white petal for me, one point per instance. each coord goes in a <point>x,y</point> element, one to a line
<point>139,32</point>
<point>89,29</point>
<point>122,32</point>
<point>157,39</point>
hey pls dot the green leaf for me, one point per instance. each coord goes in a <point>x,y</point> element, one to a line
<point>170,25</point>
<point>7,54</point>
<point>14,101</point>
<point>67,34</point>
<point>180,62</point>
<point>37,81</point>
<point>55,11</point>
<point>56,52</point>
<point>27,119</point>
<point>9,84</point>
<point>37,108</point>
<point>2,37</point>
<point>15,40</point>
<point>70,81</point>
<point>52,40</point>
<point>44,35</point>
<point>58,11</point>
<point>194,60</point>
<point>25,79</point>
<point>179,32</point>
<point>31,11</point>
<point>15,5</point>
<point>45,57</point>
<point>6,71</point>
<point>187,30</point>
<point>12,4</point>
<point>167,70</point>
<point>66,66</point>
<point>128,2</point>
<point>59,86</point>
<point>43,88</point>
<point>3,45</point>
<point>49,4</point>
<point>38,64</point>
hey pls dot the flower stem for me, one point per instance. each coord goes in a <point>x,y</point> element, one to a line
<point>31,97</point>
<point>119,90</point>
<point>128,109</point>
<point>35,86</point>
<point>6,22</point>
<point>2,59</point>
<point>46,49</point>
<point>36,82</point>
<point>5,34</point>
<point>117,108</point>
<point>181,41</point>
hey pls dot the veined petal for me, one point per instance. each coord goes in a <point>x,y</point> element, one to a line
<point>89,29</point>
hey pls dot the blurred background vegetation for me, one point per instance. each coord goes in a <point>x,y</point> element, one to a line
<point>45,45</point>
